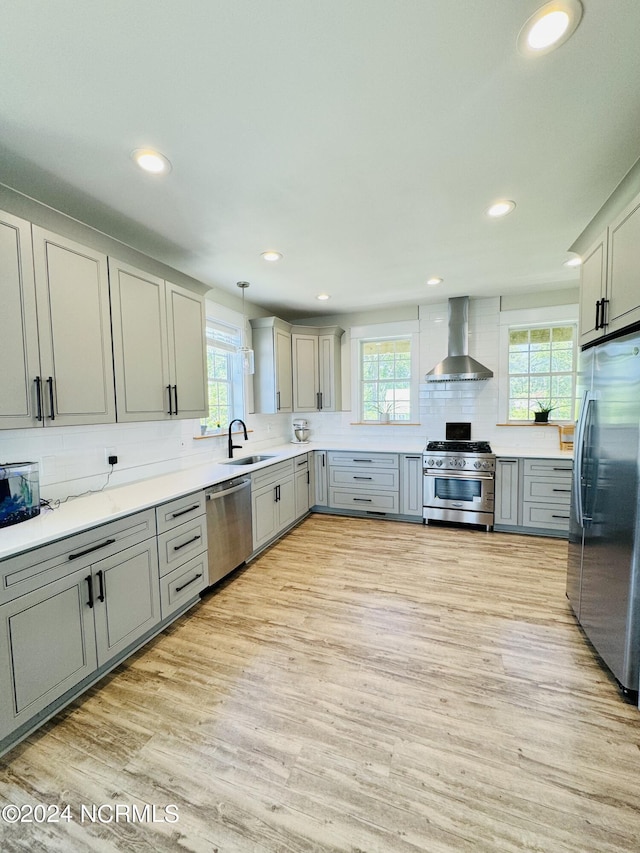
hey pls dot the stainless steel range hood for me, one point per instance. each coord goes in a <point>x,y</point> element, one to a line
<point>458,366</point>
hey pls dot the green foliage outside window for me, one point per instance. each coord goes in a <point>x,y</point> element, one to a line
<point>385,370</point>
<point>542,371</point>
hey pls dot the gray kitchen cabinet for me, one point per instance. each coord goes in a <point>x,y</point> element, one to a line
<point>411,484</point>
<point>56,334</point>
<point>182,551</point>
<point>70,608</point>
<point>160,364</point>
<point>364,482</point>
<point>18,325</point>
<point>623,269</point>
<point>320,495</point>
<point>273,502</point>
<point>272,385</point>
<point>609,292</point>
<point>316,368</point>
<point>302,485</point>
<point>593,288</point>
<point>507,500</point>
<point>533,495</point>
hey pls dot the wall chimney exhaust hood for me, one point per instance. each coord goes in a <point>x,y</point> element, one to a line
<point>458,366</point>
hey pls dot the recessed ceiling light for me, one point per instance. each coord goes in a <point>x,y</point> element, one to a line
<point>549,27</point>
<point>500,208</point>
<point>573,262</point>
<point>323,297</point>
<point>271,255</point>
<point>434,280</point>
<point>151,161</point>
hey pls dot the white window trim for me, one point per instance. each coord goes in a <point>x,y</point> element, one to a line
<point>547,316</point>
<point>228,317</point>
<point>380,331</point>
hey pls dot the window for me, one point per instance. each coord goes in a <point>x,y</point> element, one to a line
<point>385,379</point>
<point>542,370</point>
<point>225,375</point>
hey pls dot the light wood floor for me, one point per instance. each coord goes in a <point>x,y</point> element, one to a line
<point>364,686</point>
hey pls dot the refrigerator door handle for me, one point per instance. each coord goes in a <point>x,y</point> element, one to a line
<point>583,418</point>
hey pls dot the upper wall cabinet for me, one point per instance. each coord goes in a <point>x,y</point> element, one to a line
<point>272,379</point>
<point>158,347</point>
<point>55,337</point>
<point>610,296</point>
<point>316,368</point>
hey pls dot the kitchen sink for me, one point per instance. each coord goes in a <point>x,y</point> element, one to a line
<point>247,460</point>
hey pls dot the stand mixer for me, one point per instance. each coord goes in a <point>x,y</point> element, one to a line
<point>300,431</point>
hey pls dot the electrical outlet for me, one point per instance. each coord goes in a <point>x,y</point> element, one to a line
<point>112,460</point>
<point>109,453</point>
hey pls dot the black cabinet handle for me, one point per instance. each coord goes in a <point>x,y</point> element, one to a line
<point>364,500</point>
<point>100,574</point>
<point>92,549</point>
<point>188,583</point>
<point>52,414</point>
<point>561,469</point>
<point>184,544</point>
<point>170,412</point>
<point>175,399</point>
<point>184,511</point>
<point>362,478</point>
<point>308,480</point>
<point>320,406</point>
<point>561,490</point>
<point>89,582</point>
<point>277,493</point>
<point>363,460</point>
<point>318,400</point>
<point>323,455</point>
<point>559,516</point>
<point>604,322</point>
<point>597,325</point>
<point>278,400</point>
<point>300,464</point>
<point>38,382</point>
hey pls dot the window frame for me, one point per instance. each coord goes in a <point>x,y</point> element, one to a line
<point>235,381</point>
<point>536,318</point>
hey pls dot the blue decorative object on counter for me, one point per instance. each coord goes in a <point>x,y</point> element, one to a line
<point>19,492</point>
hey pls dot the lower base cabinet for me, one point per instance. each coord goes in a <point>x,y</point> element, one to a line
<point>533,496</point>
<point>273,504</point>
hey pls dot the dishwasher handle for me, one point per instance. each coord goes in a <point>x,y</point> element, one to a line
<point>224,489</point>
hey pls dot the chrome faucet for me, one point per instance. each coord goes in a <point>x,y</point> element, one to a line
<point>233,446</point>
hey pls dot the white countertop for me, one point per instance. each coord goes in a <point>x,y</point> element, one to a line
<point>89,511</point>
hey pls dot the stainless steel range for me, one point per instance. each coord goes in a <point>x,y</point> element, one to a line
<point>459,482</point>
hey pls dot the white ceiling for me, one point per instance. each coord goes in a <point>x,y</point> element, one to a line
<point>361,138</point>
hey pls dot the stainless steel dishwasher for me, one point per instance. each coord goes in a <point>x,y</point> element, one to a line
<point>228,526</point>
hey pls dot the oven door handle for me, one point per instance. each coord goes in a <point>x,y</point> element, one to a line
<point>460,475</point>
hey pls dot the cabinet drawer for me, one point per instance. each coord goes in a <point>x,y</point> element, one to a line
<point>301,463</point>
<point>271,474</point>
<point>548,467</point>
<point>376,460</point>
<point>543,515</point>
<point>548,490</point>
<point>182,584</point>
<point>178,511</point>
<point>371,477</point>
<point>364,500</point>
<point>33,569</point>
<point>180,544</point>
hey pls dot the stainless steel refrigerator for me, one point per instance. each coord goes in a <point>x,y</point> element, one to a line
<point>603,582</point>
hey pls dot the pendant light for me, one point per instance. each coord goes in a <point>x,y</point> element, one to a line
<point>246,353</point>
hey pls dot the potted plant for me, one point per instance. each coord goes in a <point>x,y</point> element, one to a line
<point>542,415</point>
<point>385,410</point>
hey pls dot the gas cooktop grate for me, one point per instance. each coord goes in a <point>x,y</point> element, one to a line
<point>460,446</point>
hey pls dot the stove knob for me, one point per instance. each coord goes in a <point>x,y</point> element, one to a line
<point>462,463</point>
<point>438,462</point>
<point>479,464</point>
<point>430,463</point>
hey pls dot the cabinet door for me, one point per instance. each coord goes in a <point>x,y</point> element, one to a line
<point>126,593</point>
<point>18,326</point>
<point>187,352</point>
<point>264,515</point>
<point>321,494</point>
<point>47,645</point>
<point>506,492</point>
<point>140,353</point>
<point>286,504</point>
<point>330,383</point>
<point>411,479</point>
<point>592,288</point>
<point>624,269</point>
<point>304,349</point>
<point>284,382</point>
<point>302,492</point>
<point>74,329</point>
